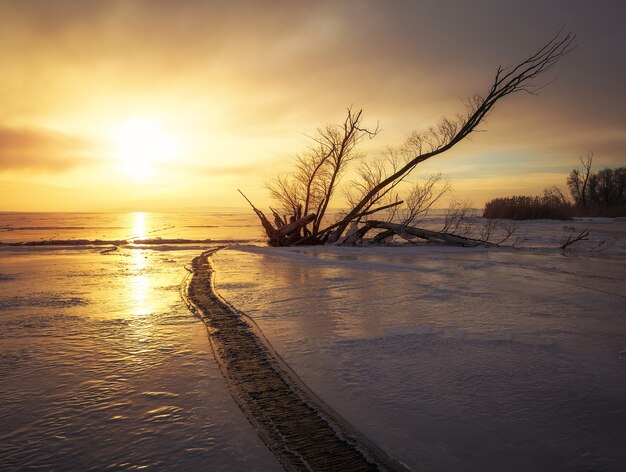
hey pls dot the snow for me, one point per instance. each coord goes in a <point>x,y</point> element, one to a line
<point>456,358</point>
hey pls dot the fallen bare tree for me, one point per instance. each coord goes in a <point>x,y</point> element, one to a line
<point>461,225</point>
<point>571,239</point>
<point>304,195</point>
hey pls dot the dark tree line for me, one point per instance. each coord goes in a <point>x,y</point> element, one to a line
<point>550,205</point>
<point>604,188</point>
<point>601,193</point>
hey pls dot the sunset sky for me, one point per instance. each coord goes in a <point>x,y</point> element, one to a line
<point>162,105</point>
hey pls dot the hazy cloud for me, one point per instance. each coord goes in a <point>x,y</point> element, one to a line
<point>306,58</point>
<point>39,150</point>
<point>252,77</point>
<point>264,168</point>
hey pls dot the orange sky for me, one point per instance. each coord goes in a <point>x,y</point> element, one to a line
<point>159,105</point>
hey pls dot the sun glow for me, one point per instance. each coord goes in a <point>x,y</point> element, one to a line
<point>141,144</point>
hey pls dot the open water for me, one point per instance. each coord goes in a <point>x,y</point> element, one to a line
<point>102,367</point>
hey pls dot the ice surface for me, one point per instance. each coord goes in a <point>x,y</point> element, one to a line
<point>454,359</point>
<point>103,367</point>
<point>449,359</point>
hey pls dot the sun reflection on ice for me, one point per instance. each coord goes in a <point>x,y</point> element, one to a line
<point>139,284</point>
<point>139,224</point>
<point>144,277</point>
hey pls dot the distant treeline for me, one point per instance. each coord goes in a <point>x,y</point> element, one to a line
<point>601,193</point>
<point>606,188</point>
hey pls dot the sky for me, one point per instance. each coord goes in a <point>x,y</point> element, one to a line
<point>159,105</point>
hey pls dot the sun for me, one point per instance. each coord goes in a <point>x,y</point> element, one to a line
<point>141,144</point>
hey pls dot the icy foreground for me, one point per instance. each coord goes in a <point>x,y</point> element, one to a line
<point>449,359</point>
<point>102,367</point>
<point>452,359</point>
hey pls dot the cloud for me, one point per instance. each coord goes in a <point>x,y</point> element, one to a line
<point>251,78</point>
<point>39,150</point>
<point>298,60</point>
<point>264,168</point>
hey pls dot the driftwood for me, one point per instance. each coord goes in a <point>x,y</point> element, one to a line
<point>283,234</point>
<point>571,239</point>
<point>410,234</point>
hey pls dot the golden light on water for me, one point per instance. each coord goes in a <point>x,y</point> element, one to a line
<point>139,225</point>
<point>139,285</point>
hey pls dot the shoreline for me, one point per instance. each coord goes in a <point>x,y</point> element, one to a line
<point>301,430</point>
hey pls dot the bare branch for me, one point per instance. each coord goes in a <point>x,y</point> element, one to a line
<point>448,133</point>
<point>310,188</point>
<point>571,239</point>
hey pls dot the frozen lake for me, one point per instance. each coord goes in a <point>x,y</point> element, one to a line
<point>452,359</point>
<point>448,359</point>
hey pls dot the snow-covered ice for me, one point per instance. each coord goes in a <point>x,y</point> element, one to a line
<point>455,359</point>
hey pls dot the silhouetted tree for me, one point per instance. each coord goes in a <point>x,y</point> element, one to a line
<point>608,187</point>
<point>597,190</point>
<point>306,193</point>
<point>578,181</point>
<point>309,189</point>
